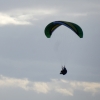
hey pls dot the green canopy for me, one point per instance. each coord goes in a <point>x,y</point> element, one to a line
<point>54,25</point>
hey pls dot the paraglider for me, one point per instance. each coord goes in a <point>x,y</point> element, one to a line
<point>63,71</point>
<point>51,27</point>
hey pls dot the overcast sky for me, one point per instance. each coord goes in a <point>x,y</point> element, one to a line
<point>30,63</point>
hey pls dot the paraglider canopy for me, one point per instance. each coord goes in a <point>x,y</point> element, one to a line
<point>54,25</point>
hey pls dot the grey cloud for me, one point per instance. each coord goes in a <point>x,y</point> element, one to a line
<point>67,5</point>
<point>52,86</point>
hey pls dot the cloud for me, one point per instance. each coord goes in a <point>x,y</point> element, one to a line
<point>41,87</point>
<point>23,16</point>
<point>77,14</point>
<point>8,19</point>
<point>26,16</point>
<point>12,82</point>
<point>65,91</point>
<point>63,87</point>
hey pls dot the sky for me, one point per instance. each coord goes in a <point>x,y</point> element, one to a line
<point>30,63</point>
